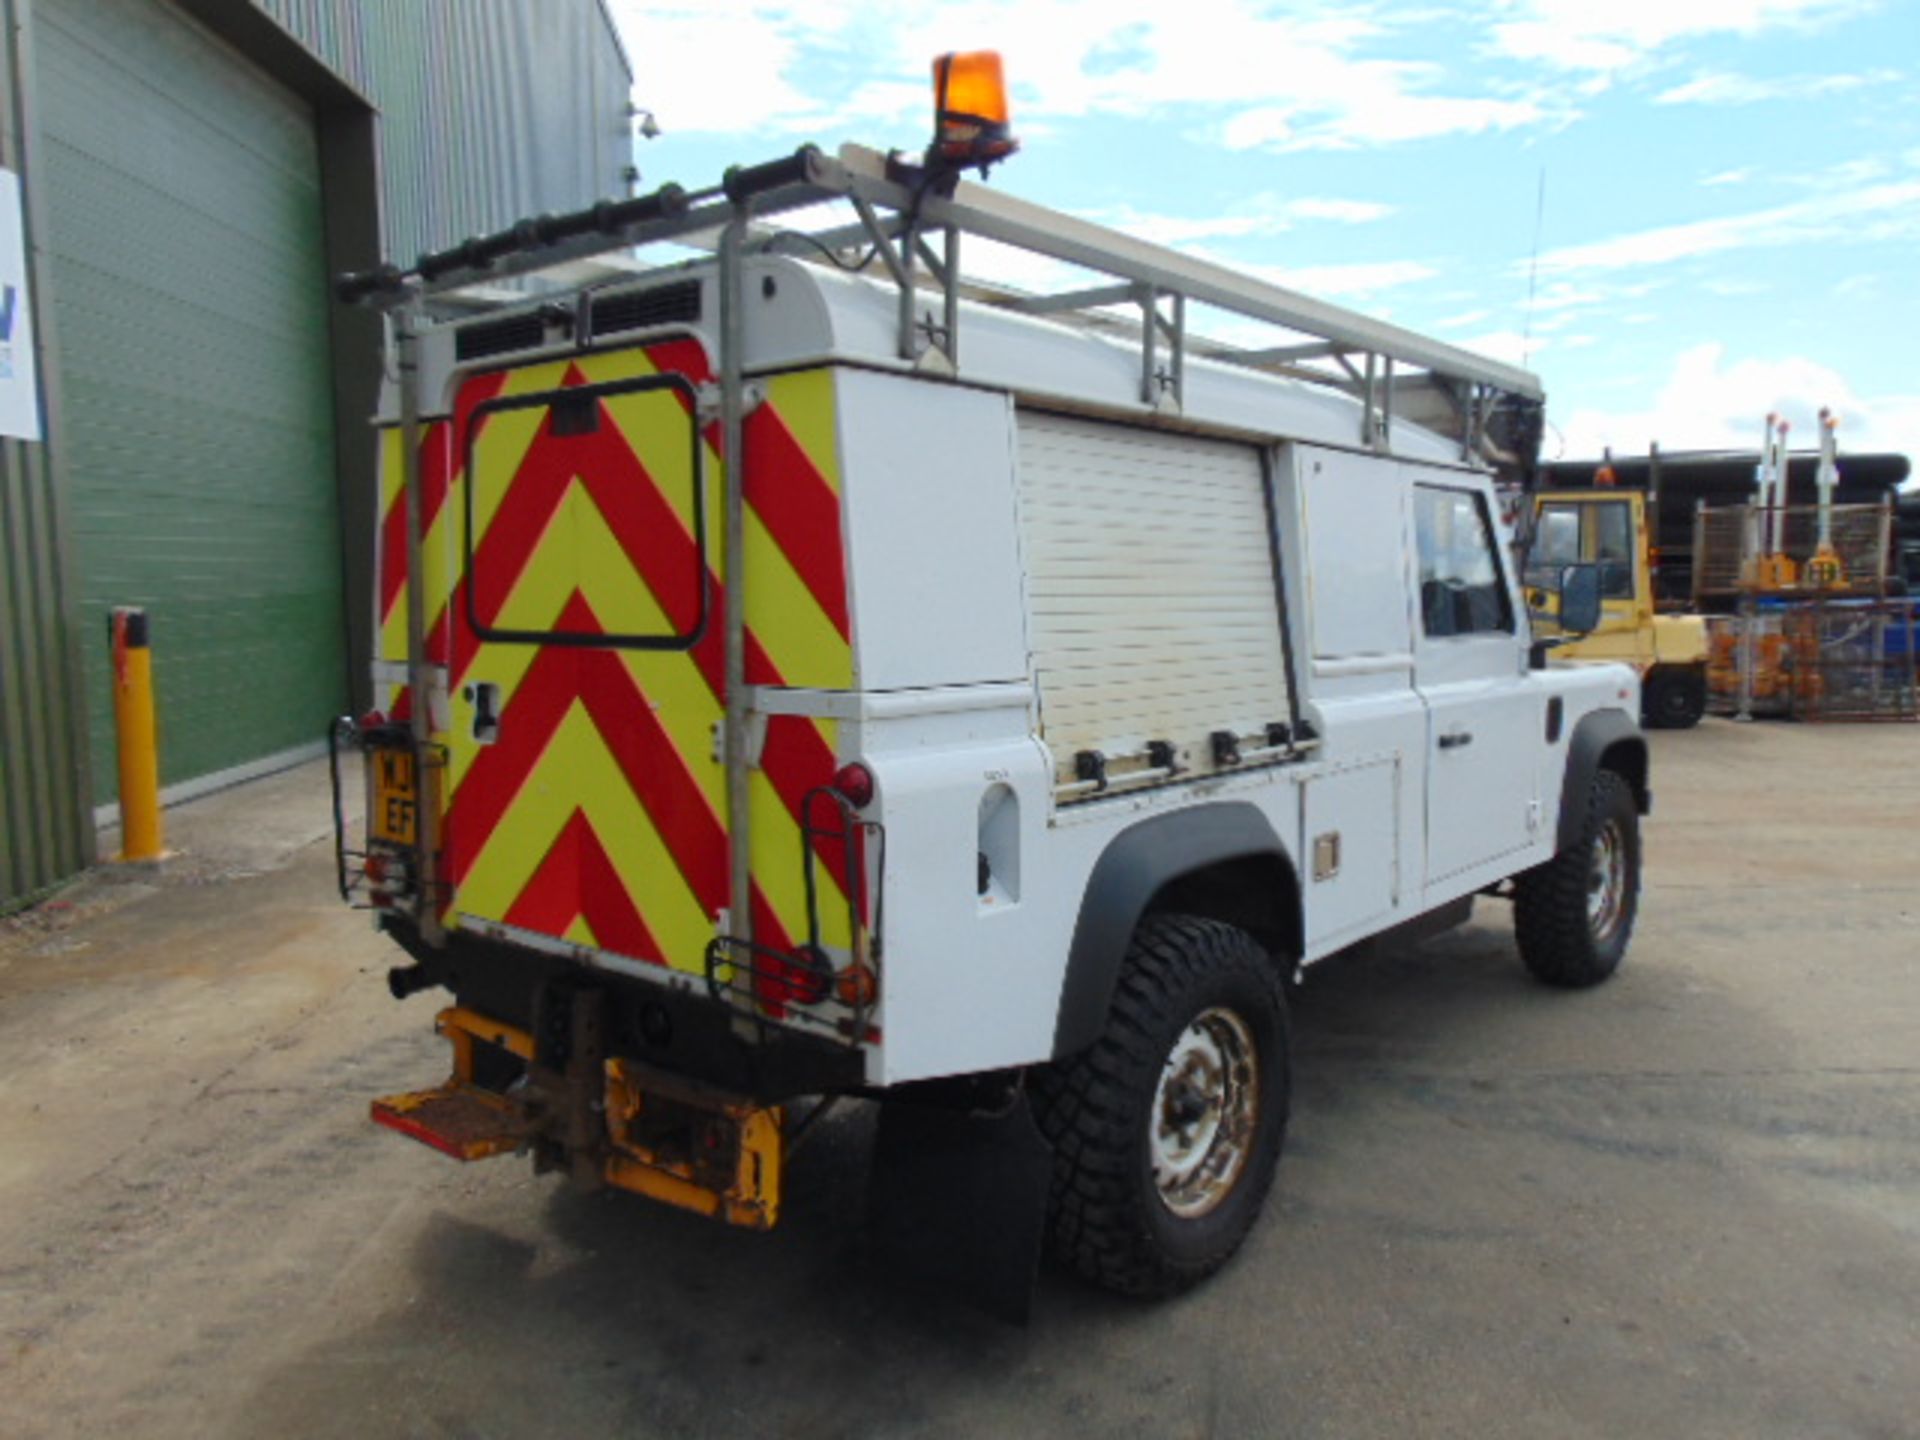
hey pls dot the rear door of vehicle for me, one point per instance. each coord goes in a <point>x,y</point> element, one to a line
<point>584,635</point>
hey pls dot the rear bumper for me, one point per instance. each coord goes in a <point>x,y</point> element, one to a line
<point>677,1029</point>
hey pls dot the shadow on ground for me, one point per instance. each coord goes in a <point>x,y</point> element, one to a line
<point>616,1312</point>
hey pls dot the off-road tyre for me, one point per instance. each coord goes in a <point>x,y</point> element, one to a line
<point>1674,698</point>
<point>1566,937</point>
<point>1107,1217</point>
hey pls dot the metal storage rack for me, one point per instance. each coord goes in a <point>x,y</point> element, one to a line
<point>1841,649</point>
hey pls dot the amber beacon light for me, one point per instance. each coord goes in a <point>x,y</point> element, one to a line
<point>970,115</point>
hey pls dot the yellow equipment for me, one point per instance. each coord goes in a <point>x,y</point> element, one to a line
<point>1824,571</point>
<point>1608,528</point>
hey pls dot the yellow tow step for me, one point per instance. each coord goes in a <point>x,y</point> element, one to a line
<point>674,1140</point>
<point>456,1119</point>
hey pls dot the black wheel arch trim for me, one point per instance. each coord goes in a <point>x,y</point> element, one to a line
<point>1138,864</point>
<point>1602,739</point>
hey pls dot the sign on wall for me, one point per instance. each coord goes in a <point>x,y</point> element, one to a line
<point>19,378</point>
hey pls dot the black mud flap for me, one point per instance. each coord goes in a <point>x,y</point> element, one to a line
<point>958,1200</point>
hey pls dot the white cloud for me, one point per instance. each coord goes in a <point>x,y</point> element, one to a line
<point>1842,173</point>
<point>1185,229</point>
<point>1580,35</point>
<point>1393,114</point>
<point>1561,295</point>
<point>1720,88</point>
<point>1346,212</point>
<point>1730,177</point>
<point>1306,77</point>
<point>1558,45</point>
<point>1261,215</point>
<point>1876,212</point>
<point>1509,346</point>
<point>716,65</point>
<point>1708,403</point>
<point>1462,320</point>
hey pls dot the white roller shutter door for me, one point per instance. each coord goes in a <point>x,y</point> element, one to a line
<point>1150,579</point>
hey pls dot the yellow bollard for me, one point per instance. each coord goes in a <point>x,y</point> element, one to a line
<point>140,832</point>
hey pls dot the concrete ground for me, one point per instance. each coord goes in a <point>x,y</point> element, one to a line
<point>1685,1204</point>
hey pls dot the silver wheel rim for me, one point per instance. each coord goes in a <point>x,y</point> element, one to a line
<point>1607,882</point>
<point>1205,1109</point>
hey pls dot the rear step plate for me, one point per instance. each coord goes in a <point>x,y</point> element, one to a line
<point>460,1120</point>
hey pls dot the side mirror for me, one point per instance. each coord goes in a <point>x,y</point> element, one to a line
<point>1579,599</point>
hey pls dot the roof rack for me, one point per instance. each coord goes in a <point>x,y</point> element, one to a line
<point>901,210</point>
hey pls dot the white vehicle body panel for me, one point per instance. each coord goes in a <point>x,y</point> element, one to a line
<point>1040,564</point>
<point>1354,879</point>
<point>934,558</point>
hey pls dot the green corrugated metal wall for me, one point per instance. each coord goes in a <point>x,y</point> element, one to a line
<point>179,275</point>
<point>46,832</point>
<point>184,234</point>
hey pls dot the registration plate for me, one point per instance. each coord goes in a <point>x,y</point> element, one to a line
<point>396,800</point>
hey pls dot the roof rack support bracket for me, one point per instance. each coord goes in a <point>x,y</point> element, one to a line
<point>1386,403</point>
<point>948,272</point>
<point>1160,383</point>
<point>1369,431</point>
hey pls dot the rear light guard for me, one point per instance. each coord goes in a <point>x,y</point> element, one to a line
<point>813,986</point>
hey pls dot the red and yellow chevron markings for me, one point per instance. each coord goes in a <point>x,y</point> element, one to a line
<point>599,814</point>
<point>437,465</point>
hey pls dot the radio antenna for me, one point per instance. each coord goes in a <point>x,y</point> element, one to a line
<point>1533,267</point>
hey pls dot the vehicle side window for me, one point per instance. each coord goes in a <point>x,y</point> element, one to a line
<point>1461,591</point>
<point>1613,548</point>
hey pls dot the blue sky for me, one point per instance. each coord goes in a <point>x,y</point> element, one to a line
<point>1732,187</point>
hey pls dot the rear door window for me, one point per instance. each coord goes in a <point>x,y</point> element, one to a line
<point>571,537</point>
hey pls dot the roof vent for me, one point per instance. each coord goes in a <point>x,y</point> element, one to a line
<point>496,337</point>
<point>675,304</point>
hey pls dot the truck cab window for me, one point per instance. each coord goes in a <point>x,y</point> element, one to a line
<point>1613,548</point>
<point>1461,591</point>
<point>1556,543</point>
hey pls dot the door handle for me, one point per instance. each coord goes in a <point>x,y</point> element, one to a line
<point>1455,739</point>
<point>485,697</point>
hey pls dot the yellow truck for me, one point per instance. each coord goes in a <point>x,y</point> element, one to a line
<point>1609,528</point>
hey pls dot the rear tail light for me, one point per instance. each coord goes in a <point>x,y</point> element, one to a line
<point>387,876</point>
<point>855,782</point>
<point>857,987</point>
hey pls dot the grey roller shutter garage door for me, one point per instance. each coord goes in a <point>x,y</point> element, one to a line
<point>189,285</point>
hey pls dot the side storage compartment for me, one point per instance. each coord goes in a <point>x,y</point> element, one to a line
<point>1154,610</point>
<point>1350,821</point>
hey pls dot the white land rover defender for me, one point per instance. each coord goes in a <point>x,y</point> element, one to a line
<point>804,672</point>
